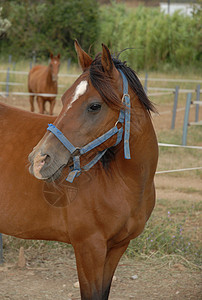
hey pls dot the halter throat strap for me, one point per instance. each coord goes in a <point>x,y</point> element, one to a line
<point>76,152</point>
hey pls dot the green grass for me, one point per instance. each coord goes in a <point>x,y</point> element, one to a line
<point>180,158</point>
<point>194,136</point>
<point>165,236</point>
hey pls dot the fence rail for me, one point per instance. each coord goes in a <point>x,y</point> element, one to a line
<point>159,91</point>
<point>30,94</point>
<point>173,80</point>
<point>141,78</point>
<point>26,73</point>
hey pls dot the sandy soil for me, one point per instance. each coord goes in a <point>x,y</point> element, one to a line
<point>54,278</point>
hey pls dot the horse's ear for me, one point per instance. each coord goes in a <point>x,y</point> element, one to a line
<point>107,62</point>
<point>58,56</point>
<point>84,59</point>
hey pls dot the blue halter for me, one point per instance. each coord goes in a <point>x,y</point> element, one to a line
<point>76,152</point>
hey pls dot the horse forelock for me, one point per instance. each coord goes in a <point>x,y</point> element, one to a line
<point>103,84</point>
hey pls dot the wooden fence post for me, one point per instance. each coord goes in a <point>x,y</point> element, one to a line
<point>145,82</point>
<point>175,106</point>
<point>197,99</point>
<point>7,82</point>
<point>9,59</point>
<point>186,119</point>
<point>34,58</point>
<point>1,249</point>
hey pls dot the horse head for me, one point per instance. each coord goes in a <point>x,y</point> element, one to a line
<point>88,112</point>
<point>54,66</point>
<point>91,120</point>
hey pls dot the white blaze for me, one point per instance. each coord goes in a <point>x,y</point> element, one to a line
<point>80,90</point>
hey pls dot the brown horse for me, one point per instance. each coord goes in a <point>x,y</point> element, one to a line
<point>109,203</point>
<point>43,80</point>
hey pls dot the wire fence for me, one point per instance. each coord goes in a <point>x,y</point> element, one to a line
<point>159,91</point>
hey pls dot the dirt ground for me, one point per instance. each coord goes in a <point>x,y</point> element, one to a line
<point>53,275</point>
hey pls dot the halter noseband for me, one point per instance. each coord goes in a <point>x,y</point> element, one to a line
<point>76,152</point>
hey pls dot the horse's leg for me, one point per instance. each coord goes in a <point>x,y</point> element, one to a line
<point>40,102</point>
<point>90,259</point>
<point>113,256</point>
<point>52,104</point>
<point>31,100</point>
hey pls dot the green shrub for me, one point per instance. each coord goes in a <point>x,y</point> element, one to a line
<point>157,38</point>
<point>49,26</point>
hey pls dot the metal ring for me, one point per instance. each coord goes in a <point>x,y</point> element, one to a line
<point>125,95</point>
<point>117,122</point>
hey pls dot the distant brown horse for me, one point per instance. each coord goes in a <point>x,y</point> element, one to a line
<point>104,141</point>
<point>44,80</point>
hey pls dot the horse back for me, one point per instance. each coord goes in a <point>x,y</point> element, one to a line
<point>20,124</point>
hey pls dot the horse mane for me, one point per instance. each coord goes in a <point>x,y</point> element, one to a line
<point>103,84</point>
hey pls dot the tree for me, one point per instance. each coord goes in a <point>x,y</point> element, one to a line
<point>4,25</point>
<point>47,25</point>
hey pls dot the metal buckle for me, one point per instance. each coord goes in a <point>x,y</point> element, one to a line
<point>76,152</point>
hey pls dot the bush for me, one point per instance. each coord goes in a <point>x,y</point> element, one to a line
<point>50,26</point>
<point>156,38</point>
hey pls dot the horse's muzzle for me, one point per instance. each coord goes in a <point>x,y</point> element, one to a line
<point>54,77</point>
<point>46,166</point>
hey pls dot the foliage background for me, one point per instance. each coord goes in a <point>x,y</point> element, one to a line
<point>157,39</point>
<point>44,26</point>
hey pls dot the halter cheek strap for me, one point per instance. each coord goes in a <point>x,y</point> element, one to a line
<point>77,152</point>
<point>126,100</point>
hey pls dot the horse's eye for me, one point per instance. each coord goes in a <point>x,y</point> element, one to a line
<point>94,107</point>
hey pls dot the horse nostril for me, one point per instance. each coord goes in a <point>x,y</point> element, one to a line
<point>46,159</point>
<point>40,160</point>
